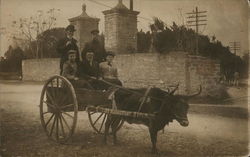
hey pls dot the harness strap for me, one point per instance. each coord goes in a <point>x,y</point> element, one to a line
<point>144,98</point>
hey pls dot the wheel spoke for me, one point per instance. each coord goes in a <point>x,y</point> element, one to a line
<point>92,113</point>
<point>50,105</point>
<point>57,82</point>
<point>51,83</point>
<point>103,122</point>
<point>49,120</point>
<point>66,106</point>
<point>52,128</point>
<point>65,122</point>
<point>98,118</point>
<point>46,112</point>
<point>67,114</point>
<point>60,94</point>
<point>51,98</point>
<point>53,90</point>
<point>60,119</point>
<point>57,131</point>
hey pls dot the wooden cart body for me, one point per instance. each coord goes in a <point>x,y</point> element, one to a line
<point>60,103</point>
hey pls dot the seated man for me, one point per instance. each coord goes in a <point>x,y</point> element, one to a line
<point>108,71</point>
<point>70,71</point>
<point>89,69</point>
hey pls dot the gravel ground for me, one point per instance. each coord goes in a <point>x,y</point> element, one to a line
<point>22,134</point>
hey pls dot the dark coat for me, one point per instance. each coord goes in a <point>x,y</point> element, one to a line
<point>86,69</point>
<point>62,49</point>
<point>97,47</point>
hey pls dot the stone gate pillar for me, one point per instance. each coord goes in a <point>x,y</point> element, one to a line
<point>121,29</point>
<point>84,24</point>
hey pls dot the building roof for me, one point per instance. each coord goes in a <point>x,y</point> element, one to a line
<point>84,15</point>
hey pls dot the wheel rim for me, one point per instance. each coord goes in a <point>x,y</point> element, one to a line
<point>58,109</point>
<point>97,121</point>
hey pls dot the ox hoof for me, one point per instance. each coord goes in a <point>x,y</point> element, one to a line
<point>154,151</point>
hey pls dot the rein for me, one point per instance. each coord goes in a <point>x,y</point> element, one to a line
<point>125,89</point>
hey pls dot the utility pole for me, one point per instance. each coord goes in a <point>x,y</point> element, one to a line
<point>196,18</point>
<point>234,46</point>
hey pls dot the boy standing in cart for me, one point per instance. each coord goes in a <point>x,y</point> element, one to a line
<point>66,44</point>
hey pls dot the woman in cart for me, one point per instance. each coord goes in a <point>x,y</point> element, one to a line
<point>108,71</point>
<point>70,71</point>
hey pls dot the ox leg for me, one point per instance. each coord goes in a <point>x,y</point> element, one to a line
<point>153,136</point>
<point>106,132</point>
<point>114,125</point>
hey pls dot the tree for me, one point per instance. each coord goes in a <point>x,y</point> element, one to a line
<point>50,38</point>
<point>143,41</point>
<point>31,29</point>
<point>174,37</point>
<point>13,61</point>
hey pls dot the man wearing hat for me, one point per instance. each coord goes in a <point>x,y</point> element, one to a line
<point>96,46</point>
<point>66,44</point>
<point>70,71</point>
<point>108,70</point>
<point>89,70</point>
<point>88,67</point>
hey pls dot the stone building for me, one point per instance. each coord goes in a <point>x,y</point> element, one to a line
<point>121,29</point>
<point>84,24</point>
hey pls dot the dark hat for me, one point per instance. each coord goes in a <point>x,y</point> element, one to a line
<point>72,52</point>
<point>110,53</point>
<point>70,28</point>
<point>94,31</point>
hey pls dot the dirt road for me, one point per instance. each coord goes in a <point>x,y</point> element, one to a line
<point>22,134</point>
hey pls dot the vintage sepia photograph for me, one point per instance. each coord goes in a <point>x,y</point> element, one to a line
<point>124,78</point>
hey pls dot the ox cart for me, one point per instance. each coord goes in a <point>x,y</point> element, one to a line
<point>60,104</point>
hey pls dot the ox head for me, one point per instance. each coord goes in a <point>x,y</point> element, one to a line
<point>178,106</point>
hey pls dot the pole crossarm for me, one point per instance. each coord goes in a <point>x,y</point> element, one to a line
<point>194,12</point>
<point>194,19</point>
<point>198,25</point>
<point>234,46</point>
<point>197,16</point>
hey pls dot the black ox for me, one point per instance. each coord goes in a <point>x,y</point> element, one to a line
<point>165,105</point>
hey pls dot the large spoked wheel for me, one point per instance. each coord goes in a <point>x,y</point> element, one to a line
<point>58,109</point>
<point>97,121</point>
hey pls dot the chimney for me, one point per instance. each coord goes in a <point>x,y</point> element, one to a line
<point>131,5</point>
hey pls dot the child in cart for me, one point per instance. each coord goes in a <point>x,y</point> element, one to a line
<point>70,71</point>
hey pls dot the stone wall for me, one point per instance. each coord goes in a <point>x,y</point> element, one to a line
<point>144,69</point>
<point>164,70</point>
<point>40,69</point>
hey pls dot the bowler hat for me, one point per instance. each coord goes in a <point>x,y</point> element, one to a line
<point>71,52</point>
<point>110,53</point>
<point>70,28</point>
<point>94,31</point>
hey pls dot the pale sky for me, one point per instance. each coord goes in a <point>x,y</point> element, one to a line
<point>227,19</point>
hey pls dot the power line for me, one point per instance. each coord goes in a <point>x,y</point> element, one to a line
<point>195,19</point>
<point>102,4</point>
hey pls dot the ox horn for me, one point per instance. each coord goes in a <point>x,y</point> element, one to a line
<point>173,91</point>
<point>199,92</point>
